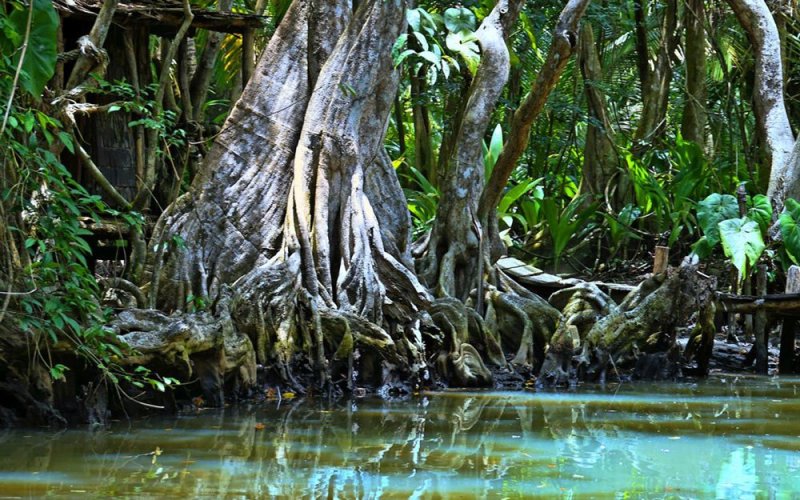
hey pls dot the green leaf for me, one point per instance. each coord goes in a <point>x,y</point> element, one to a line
<point>790,231</point>
<point>463,43</point>
<point>57,371</point>
<point>430,57</point>
<point>402,57</point>
<point>66,139</point>
<point>41,53</point>
<point>423,43</point>
<point>741,239</point>
<point>513,194</point>
<point>492,153</point>
<point>713,210</point>
<point>703,248</point>
<point>413,18</point>
<point>760,211</point>
<point>459,19</point>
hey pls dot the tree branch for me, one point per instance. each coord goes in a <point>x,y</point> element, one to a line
<point>98,176</point>
<point>97,37</point>
<point>564,44</point>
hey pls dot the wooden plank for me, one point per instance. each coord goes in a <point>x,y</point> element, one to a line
<point>780,303</point>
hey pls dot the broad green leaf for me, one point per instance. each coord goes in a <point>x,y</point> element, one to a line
<point>496,143</point>
<point>492,153</point>
<point>629,214</point>
<point>760,211</point>
<point>423,43</point>
<point>530,210</point>
<point>741,239</point>
<point>400,58</point>
<point>397,49</point>
<point>459,19</point>
<point>40,56</point>
<point>430,57</point>
<point>790,231</point>
<point>66,139</point>
<point>57,371</point>
<point>463,43</point>
<point>413,17</point>
<point>713,210</point>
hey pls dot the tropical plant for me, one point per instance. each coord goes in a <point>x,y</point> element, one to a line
<point>564,224</point>
<point>742,237</point>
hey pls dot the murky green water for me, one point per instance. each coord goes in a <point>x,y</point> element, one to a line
<point>734,438</point>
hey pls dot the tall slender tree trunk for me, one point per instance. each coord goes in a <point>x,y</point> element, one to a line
<point>423,146</point>
<point>600,159</point>
<point>655,87</point>
<point>695,115</point>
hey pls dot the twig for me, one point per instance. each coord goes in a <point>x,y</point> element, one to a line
<point>24,50</point>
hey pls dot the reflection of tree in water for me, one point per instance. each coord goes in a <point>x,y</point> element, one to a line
<point>458,443</point>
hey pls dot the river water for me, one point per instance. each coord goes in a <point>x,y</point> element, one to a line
<point>734,437</point>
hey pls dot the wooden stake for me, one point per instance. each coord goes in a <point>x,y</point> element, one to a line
<point>760,323</point>
<point>789,328</point>
<point>661,260</point>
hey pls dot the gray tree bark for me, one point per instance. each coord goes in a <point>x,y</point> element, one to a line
<point>768,101</point>
<point>297,206</point>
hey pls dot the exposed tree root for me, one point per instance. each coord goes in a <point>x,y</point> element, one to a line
<point>297,233</point>
<point>639,333</point>
<point>206,344</point>
<point>525,325</point>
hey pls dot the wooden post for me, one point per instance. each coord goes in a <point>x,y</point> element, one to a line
<point>747,286</point>
<point>734,277</point>
<point>760,323</point>
<point>789,328</point>
<point>661,260</point>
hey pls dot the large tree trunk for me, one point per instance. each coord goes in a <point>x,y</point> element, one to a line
<point>295,233</point>
<point>297,205</point>
<point>770,111</point>
<point>565,41</point>
<point>451,264</point>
